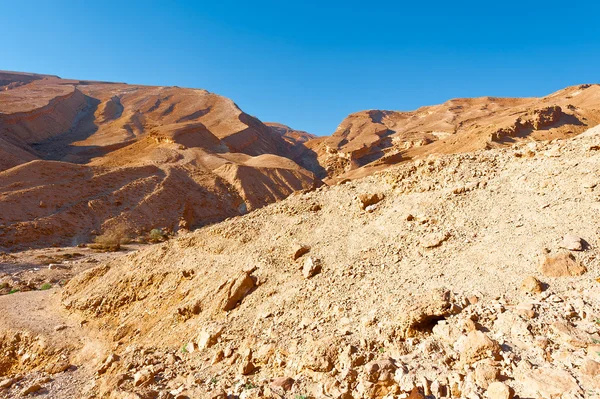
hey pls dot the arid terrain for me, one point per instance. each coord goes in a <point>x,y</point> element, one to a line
<point>451,253</point>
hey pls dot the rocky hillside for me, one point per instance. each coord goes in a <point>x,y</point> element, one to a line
<point>372,140</point>
<point>454,276</point>
<point>80,158</point>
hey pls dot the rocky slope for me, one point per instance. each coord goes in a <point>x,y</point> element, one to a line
<point>465,276</point>
<point>372,140</point>
<point>79,158</point>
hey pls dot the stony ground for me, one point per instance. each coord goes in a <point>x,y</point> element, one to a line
<point>472,275</point>
<point>46,268</point>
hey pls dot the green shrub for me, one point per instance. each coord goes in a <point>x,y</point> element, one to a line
<point>45,287</point>
<point>156,235</point>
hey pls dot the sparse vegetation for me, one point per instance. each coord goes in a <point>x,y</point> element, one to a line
<point>14,290</point>
<point>249,385</point>
<point>156,235</point>
<point>45,286</point>
<point>301,397</point>
<point>111,240</point>
<point>213,381</point>
<point>184,348</point>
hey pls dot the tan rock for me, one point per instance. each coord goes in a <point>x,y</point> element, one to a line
<point>567,334</point>
<point>532,285</point>
<point>380,370</point>
<point>208,336</point>
<point>312,267</point>
<point>369,199</point>
<point>31,389</point>
<point>143,377</point>
<point>8,382</point>
<point>298,250</point>
<point>234,290</point>
<point>58,367</point>
<point>321,355</point>
<point>485,374</point>
<point>499,390</point>
<point>561,265</point>
<point>110,359</point>
<point>479,346</point>
<point>247,366</point>
<point>434,240</point>
<point>547,382</point>
<point>590,368</point>
<point>282,384</point>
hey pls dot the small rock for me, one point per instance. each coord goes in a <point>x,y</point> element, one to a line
<point>547,383</point>
<point>434,240</point>
<point>299,250</point>
<point>247,367</point>
<point>217,357</point>
<point>31,389</point>
<point>380,370</point>
<point>143,377</point>
<point>479,346</point>
<point>282,384</point>
<point>572,243</point>
<point>235,289</point>
<point>209,336</point>
<point>369,199</point>
<point>7,383</point>
<point>58,367</point>
<point>499,390</point>
<point>312,266</point>
<point>532,285</point>
<point>590,368</point>
<point>371,208</point>
<point>485,374</point>
<point>561,265</point>
<point>110,359</point>
<point>60,327</point>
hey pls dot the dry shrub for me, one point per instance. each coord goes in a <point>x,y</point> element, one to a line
<point>112,239</point>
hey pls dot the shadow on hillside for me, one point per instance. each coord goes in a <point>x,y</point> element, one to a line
<point>61,148</point>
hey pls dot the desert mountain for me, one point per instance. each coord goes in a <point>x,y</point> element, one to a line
<point>79,158</point>
<point>372,140</point>
<point>471,275</point>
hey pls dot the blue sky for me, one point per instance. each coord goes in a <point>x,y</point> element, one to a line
<point>309,64</point>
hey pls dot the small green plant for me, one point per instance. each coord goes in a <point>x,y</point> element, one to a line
<point>249,385</point>
<point>595,341</point>
<point>381,350</point>
<point>301,397</point>
<point>597,321</point>
<point>14,290</point>
<point>213,381</point>
<point>156,235</point>
<point>45,287</point>
<point>184,348</point>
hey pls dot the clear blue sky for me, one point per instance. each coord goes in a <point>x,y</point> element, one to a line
<point>309,64</point>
